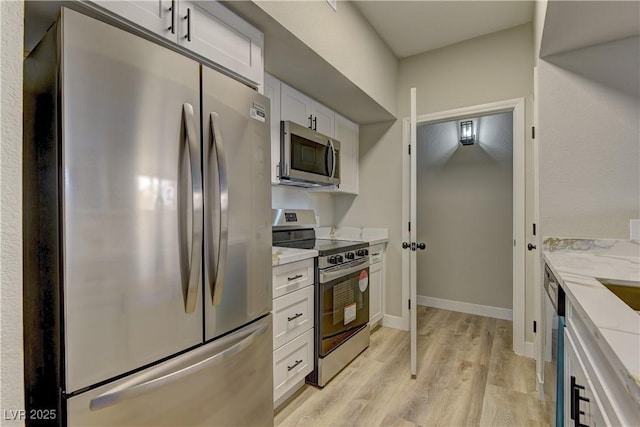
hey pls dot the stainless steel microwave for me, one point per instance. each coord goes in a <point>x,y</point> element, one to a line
<point>308,158</point>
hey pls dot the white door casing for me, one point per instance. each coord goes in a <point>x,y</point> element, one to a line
<point>517,107</point>
<point>413,282</point>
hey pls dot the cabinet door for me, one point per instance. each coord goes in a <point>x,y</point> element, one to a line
<point>375,292</point>
<point>323,120</point>
<point>272,91</point>
<point>582,404</point>
<point>220,36</point>
<point>152,15</point>
<point>295,106</point>
<point>347,133</point>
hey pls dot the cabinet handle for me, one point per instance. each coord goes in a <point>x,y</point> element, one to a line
<point>297,276</point>
<point>294,317</point>
<point>172,27</point>
<point>289,368</point>
<point>315,123</point>
<point>188,18</point>
<point>376,254</point>
<point>310,121</point>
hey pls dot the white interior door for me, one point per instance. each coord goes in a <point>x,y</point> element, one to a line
<point>413,305</point>
<point>538,264</point>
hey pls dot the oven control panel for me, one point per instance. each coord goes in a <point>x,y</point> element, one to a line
<point>342,258</point>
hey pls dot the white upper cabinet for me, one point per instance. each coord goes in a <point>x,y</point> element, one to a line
<point>217,34</point>
<point>288,103</point>
<point>205,28</point>
<point>323,119</point>
<point>347,133</point>
<point>153,15</point>
<point>299,108</point>
<point>295,106</point>
<point>272,91</point>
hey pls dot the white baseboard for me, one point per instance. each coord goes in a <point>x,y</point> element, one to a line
<point>395,322</point>
<point>466,307</point>
<point>529,350</point>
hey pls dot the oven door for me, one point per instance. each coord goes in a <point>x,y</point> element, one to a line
<point>343,309</point>
<point>308,156</point>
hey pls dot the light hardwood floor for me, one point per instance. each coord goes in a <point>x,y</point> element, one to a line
<point>467,375</point>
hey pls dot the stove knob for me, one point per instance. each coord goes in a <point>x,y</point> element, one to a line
<point>366,252</point>
<point>333,259</point>
<point>350,255</point>
<point>340,259</point>
<point>361,252</point>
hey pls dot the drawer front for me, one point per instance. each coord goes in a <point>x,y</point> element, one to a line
<point>291,277</point>
<point>376,253</point>
<point>293,315</point>
<point>291,363</point>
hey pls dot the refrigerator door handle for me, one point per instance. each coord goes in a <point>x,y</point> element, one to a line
<point>171,372</point>
<point>217,281</point>
<point>191,268</point>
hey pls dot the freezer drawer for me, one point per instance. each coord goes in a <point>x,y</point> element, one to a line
<point>227,382</point>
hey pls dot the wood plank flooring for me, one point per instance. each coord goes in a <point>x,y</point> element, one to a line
<point>467,376</point>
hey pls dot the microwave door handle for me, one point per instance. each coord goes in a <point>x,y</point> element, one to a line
<point>326,161</point>
<point>217,283</point>
<point>333,163</point>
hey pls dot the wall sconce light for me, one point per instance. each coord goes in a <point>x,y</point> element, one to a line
<point>467,132</point>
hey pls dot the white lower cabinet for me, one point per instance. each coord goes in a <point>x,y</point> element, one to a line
<point>291,277</point>
<point>594,394</point>
<point>293,326</point>
<point>582,405</point>
<point>376,283</point>
<point>291,364</point>
<point>293,314</point>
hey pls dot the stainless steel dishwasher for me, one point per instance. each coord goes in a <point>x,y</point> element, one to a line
<point>554,370</point>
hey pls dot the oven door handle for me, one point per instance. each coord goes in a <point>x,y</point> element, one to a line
<point>327,276</point>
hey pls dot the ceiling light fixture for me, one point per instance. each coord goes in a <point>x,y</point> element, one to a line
<point>467,132</point>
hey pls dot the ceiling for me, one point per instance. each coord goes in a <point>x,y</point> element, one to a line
<point>412,27</point>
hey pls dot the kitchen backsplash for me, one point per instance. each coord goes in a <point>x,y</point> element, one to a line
<point>299,198</point>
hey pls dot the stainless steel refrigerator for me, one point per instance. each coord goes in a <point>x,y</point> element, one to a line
<point>147,237</point>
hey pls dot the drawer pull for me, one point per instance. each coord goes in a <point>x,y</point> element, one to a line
<point>294,317</point>
<point>290,368</point>
<point>297,276</point>
<point>376,254</point>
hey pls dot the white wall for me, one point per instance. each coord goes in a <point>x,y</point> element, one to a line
<point>300,198</point>
<point>345,40</point>
<point>464,211</point>
<point>11,348</point>
<point>589,153</point>
<point>490,68</point>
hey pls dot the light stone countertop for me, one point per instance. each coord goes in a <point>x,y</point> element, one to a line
<point>280,255</point>
<point>362,234</point>
<point>614,325</point>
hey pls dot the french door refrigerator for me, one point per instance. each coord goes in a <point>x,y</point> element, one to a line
<point>147,237</point>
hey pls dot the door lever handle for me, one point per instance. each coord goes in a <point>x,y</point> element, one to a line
<point>531,247</point>
<point>405,245</point>
<point>421,246</point>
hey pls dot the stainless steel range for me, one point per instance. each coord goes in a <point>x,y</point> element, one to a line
<point>341,293</point>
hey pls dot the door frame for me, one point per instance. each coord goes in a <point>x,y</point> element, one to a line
<point>517,107</point>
